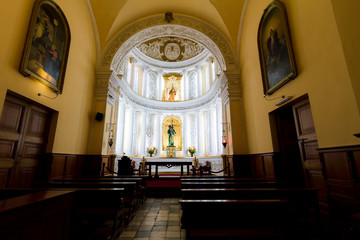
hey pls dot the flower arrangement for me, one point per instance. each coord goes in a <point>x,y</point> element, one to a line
<point>192,150</point>
<point>151,150</point>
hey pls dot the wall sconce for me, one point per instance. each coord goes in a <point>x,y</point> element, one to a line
<point>224,138</point>
<point>110,127</point>
<point>224,142</point>
<point>110,142</point>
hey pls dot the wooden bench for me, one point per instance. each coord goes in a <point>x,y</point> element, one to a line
<point>231,184</point>
<point>130,191</point>
<point>222,179</point>
<point>35,214</point>
<point>97,213</point>
<point>233,219</point>
<point>140,187</point>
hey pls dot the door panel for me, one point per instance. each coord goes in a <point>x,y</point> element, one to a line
<point>291,168</point>
<point>308,145</point>
<point>306,131</point>
<point>24,130</point>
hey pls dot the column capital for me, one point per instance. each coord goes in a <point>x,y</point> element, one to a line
<point>107,84</point>
<point>234,84</point>
<point>210,60</point>
<point>132,60</point>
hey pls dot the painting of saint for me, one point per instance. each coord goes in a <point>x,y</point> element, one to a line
<point>275,49</point>
<point>47,45</point>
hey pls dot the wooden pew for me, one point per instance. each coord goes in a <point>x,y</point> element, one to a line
<point>244,197</point>
<point>130,191</point>
<point>97,213</point>
<point>234,219</point>
<point>43,215</point>
<point>222,179</point>
<point>140,184</point>
<point>232,184</point>
<point>303,200</point>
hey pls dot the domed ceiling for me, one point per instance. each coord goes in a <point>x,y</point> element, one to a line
<point>170,49</point>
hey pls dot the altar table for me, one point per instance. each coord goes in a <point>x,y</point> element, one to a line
<point>168,164</point>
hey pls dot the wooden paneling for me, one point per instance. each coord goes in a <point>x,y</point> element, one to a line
<point>3,177</point>
<point>336,165</point>
<point>71,165</point>
<point>257,165</point>
<point>58,166</point>
<point>341,171</point>
<point>269,166</point>
<point>316,180</point>
<point>356,156</point>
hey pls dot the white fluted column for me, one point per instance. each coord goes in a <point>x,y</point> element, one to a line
<point>160,84</point>
<point>132,72</point>
<point>157,132</point>
<point>145,83</point>
<point>213,132</point>
<point>219,120</point>
<point>142,128</point>
<point>201,133</point>
<point>185,134</point>
<point>185,86</point>
<point>129,114</point>
<point>199,85</point>
<point>207,133</point>
<point>135,134</point>
<point>119,145</point>
<point>210,61</point>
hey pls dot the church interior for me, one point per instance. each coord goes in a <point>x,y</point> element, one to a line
<point>192,119</point>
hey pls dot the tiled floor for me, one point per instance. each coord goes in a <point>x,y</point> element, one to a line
<point>158,218</point>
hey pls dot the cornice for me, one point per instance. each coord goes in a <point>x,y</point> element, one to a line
<point>160,106</point>
<point>170,65</point>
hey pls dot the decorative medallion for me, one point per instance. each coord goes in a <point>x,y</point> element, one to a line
<point>170,49</point>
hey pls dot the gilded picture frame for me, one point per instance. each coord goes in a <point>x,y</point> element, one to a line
<point>275,50</point>
<point>47,45</point>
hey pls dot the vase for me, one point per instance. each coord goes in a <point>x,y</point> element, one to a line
<point>192,154</point>
<point>150,154</point>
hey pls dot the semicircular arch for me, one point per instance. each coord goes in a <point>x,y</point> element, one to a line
<point>182,25</point>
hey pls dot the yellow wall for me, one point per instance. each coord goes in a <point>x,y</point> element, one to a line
<point>75,105</point>
<point>347,19</point>
<point>322,74</point>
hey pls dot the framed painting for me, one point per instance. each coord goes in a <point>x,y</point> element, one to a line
<point>275,50</point>
<point>47,45</point>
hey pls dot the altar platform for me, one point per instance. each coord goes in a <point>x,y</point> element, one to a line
<point>163,170</point>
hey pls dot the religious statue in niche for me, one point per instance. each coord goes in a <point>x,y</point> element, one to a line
<point>171,132</point>
<point>172,87</point>
<point>176,137</point>
<point>172,93</point>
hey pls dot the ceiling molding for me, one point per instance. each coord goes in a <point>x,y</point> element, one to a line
<point>182,26</point>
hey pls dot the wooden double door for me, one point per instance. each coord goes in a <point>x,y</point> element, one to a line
<point>299,158</point>
<point>24,131</point>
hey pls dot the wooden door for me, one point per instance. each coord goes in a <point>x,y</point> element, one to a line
<point>307,140</point>
<point>291,168</point>
<point>24,129</point>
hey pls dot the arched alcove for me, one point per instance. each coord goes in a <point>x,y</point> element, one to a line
<point>204,108</point>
